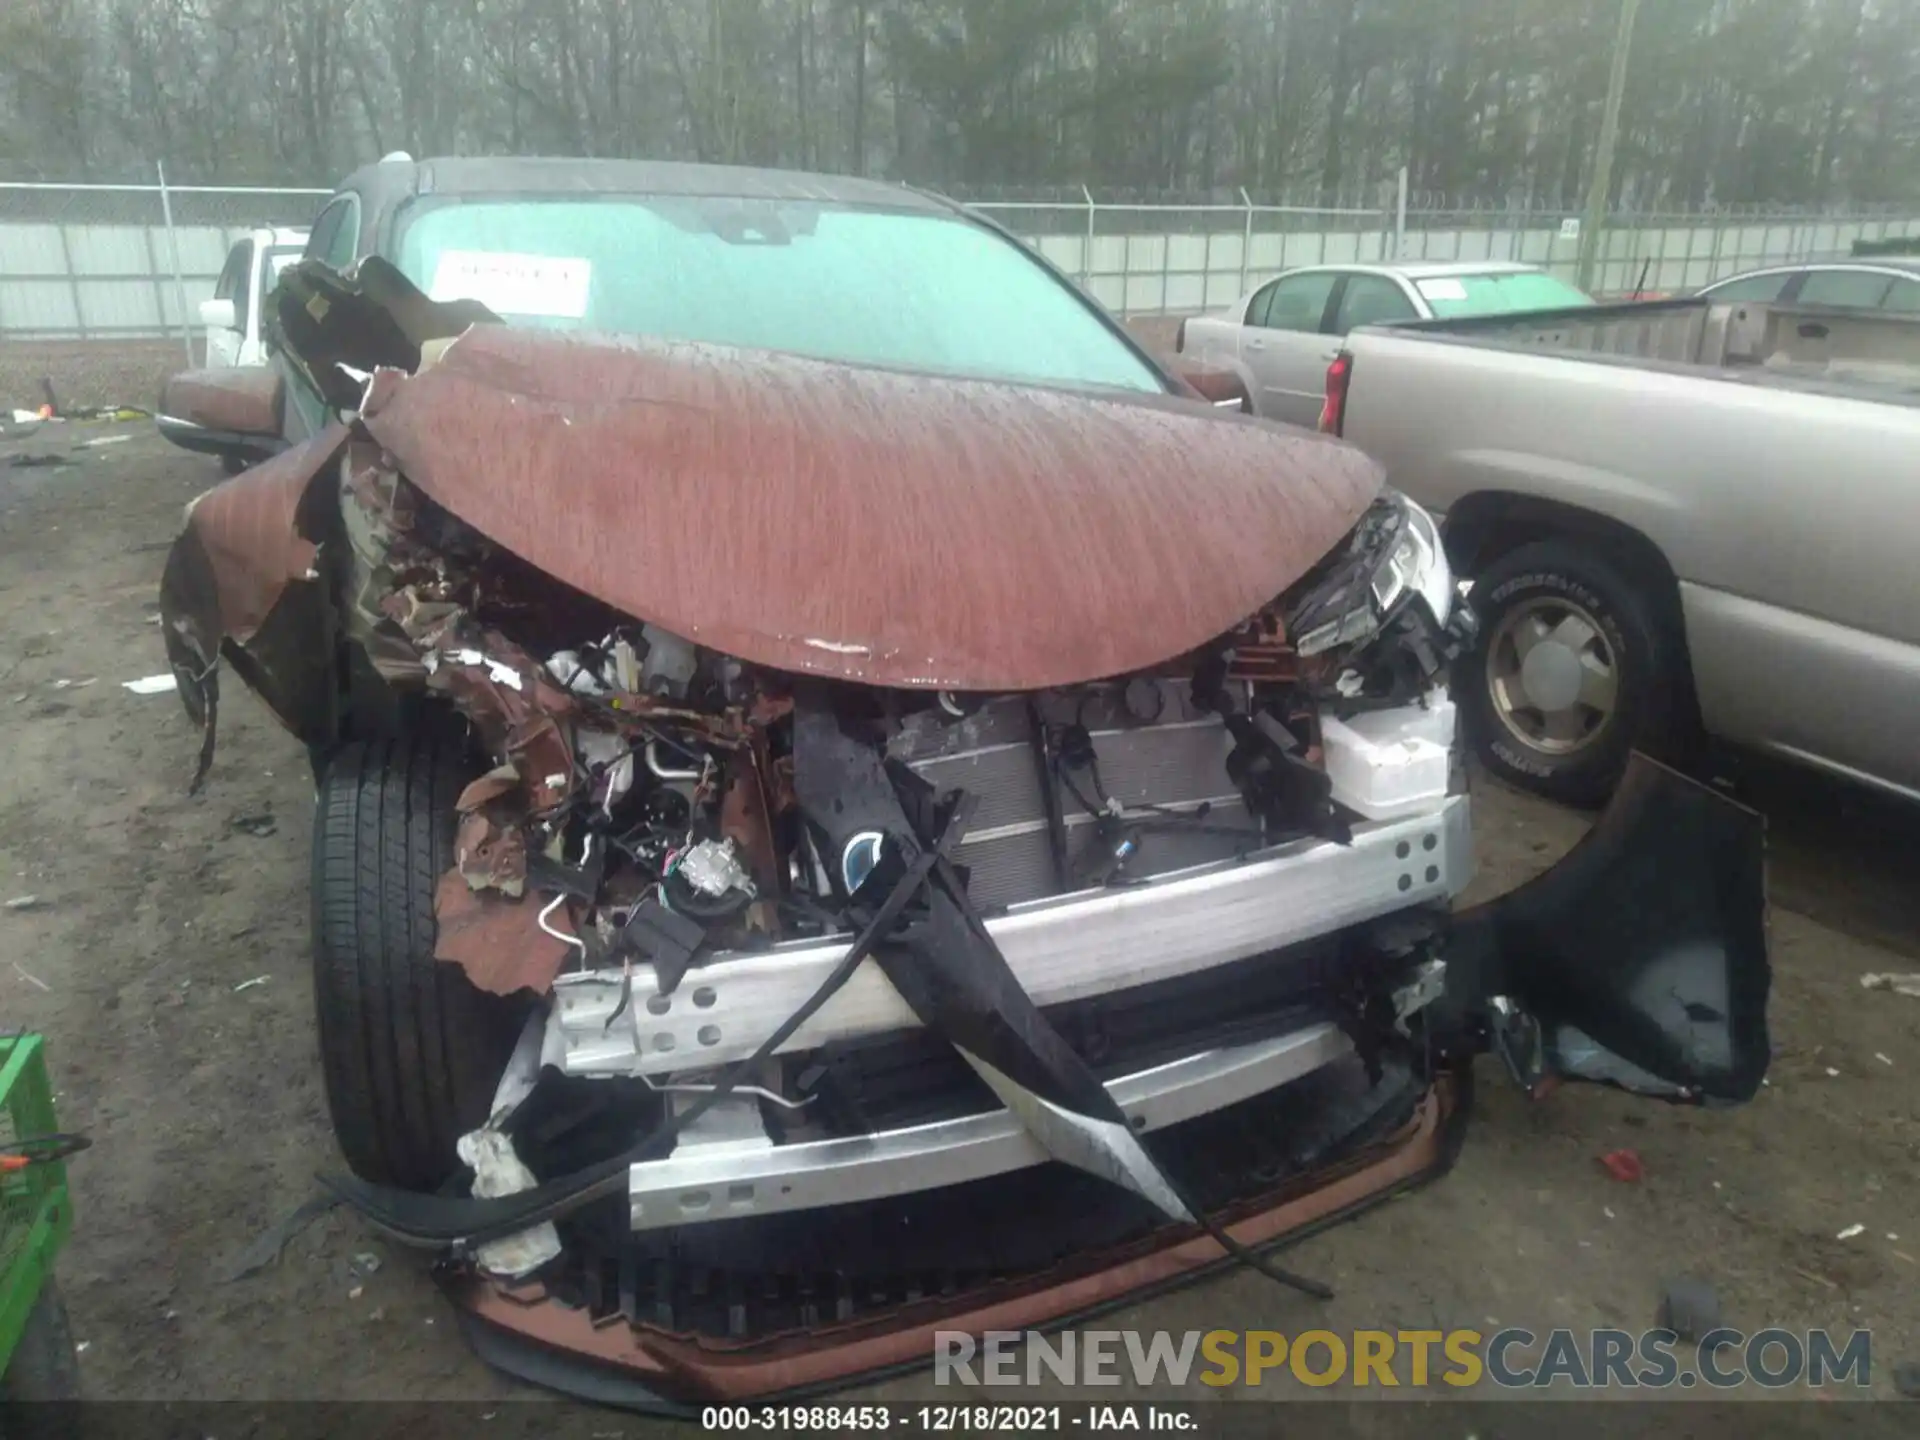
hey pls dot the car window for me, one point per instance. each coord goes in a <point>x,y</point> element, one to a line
<point>1299,302</point>
<point>1757,289</point>
<point>233,275</point>
<point>1371,300</point>
<point>278,258</point>
<point>1904,297</point>
<point>1257,307</point>
<point>234,282</point>
<point>1503,292</point>
<point>336,232</point>
<point>1854,289</point>
<point>909,288</point>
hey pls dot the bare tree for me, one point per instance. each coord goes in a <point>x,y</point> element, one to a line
<point>1783,101</point>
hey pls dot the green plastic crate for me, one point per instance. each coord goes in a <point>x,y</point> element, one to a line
<point>35,1212</point>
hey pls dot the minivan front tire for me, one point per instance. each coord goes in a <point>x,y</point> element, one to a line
<point>411,1051</point>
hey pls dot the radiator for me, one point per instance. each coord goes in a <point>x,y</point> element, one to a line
<point>1175,760</point>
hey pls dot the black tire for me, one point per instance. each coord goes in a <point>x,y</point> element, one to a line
<point>1647,669</point>
<point>410,1049</point>
<point>43,1367</point>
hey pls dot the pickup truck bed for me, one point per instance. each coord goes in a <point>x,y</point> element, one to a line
<point>1807,345</point>
<point>1697,513</point>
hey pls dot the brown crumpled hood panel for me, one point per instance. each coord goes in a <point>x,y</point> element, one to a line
<point>894,529</point>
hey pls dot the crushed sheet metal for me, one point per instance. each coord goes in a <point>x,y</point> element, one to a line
<point>520,712</point>
<point>249,529</point>
<point>236,573</point>
<point>491,853</point>
<point>497,941</point>
<point>339,327</point>
<point>889,528</point>
<point>501,780</point>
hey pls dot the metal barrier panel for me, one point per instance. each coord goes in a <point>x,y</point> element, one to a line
<point>98,262</point>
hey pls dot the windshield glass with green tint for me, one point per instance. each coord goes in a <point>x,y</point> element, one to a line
<point>908,289</point>
<point>1452,296</point>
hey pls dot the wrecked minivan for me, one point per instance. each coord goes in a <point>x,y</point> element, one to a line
<point>853,803</point>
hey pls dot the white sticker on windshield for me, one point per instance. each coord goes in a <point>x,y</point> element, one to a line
<point>509,283</point>
<point>1444,288</point>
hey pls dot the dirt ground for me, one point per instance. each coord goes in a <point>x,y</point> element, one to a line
<point>89,372</point>
<point>165,959</point>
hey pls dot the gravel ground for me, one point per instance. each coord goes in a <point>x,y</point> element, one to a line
<point>165,960</point>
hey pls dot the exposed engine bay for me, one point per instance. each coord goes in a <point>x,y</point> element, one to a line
<point>647,790</point>
<point>818,910</point>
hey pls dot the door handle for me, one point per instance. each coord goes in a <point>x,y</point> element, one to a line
<point>1813,330</point>
<point>1256,344</point>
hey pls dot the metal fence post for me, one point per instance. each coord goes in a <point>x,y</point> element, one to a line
<point>1246,243</point>
<point>1086,254</point>
<point>1400,218</point>
<point>1166,272</point>
<point>73,280</point>
<point>173,248</point>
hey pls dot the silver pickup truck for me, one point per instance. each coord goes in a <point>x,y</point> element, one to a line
<point>1684,519</point>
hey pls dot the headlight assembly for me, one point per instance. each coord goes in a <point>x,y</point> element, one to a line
<point>1394,558</point>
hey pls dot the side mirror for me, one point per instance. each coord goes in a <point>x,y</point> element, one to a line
<point>1222,389</point>
<point>218,315</point>
<point>235,412</point>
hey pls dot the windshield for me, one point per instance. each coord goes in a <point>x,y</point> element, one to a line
<point>908,289</point>
<point>1453,296</point>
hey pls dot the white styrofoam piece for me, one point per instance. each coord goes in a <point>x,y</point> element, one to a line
<point>1386,764</point>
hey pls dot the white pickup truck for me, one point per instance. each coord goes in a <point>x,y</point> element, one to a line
<point>232,316</point>
<point>1683,519</point>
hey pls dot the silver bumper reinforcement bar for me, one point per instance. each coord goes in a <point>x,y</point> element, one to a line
<point>738,1177</point>
<point>1091,943</point>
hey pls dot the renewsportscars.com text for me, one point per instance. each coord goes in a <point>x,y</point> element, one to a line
<point>1512,1358</point>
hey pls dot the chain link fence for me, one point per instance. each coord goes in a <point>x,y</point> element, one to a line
<point>1170,258</point>
<point>116,272</point>
<point>1179,257</point>
<point>101,262</point>
<point>100,285</point>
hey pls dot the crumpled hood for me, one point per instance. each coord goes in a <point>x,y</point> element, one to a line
<point>889,528</point>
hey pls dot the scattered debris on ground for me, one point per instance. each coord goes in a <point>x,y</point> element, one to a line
<point>1623,1165</point>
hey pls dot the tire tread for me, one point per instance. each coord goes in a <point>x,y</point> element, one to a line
<point>410,1049</point>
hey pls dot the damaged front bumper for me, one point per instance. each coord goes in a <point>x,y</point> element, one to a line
<point>746,1268</point>
<point>1059,949</point>
<point>665,1324</point>
<point>746,1174</point>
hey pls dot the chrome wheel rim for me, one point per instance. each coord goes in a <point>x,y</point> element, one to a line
<point>1553,677</point>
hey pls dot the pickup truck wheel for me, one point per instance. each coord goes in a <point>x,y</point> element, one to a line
<point>410,1050</point>
<point>1573,672</point>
